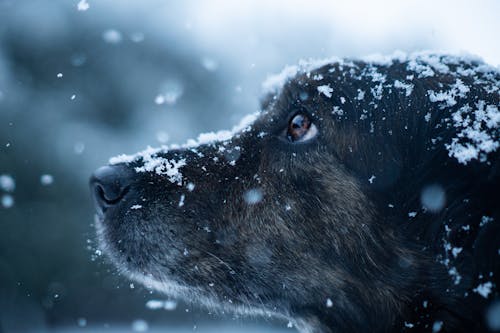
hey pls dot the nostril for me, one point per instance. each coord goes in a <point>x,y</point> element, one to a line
<point>110,197</point>
<point>109,185</point>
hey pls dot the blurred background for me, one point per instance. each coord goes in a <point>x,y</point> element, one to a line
<point>81,81</point>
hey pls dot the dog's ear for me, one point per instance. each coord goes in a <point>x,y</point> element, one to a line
<point>266,100</point>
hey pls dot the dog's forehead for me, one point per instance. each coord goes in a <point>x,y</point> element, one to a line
<point>297,90</point>
<point>311,92</point>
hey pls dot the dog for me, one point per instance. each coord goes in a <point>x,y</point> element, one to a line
<point>363,197</point>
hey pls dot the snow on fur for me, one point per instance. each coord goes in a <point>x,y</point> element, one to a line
<point>425,64</point>
<point>153,162</point>
<point>477,132</point>
<point>477,125</point>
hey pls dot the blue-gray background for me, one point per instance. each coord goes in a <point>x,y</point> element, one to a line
<point>78,86</point>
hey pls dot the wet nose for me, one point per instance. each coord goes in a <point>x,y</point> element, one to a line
<point>109,185</point>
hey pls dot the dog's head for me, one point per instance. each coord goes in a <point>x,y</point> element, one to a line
<point>282,214</point>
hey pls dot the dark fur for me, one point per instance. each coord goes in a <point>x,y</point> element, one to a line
<point>343,237</point>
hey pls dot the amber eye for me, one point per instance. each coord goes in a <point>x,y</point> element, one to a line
<point>300,128</point>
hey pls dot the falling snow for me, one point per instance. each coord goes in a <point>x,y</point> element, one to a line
<point>209,64</point>
<point>329,303</point>
<point>81,322</point>
<point>437,326</point>
<point>140,325</point>
<point>433,198</point>
<point>46,179</point>
<point>82,5</point>
<point>112,36</point>
<point>181,200</point>
<point>7,183</point>
<point>137,37</point>
<point>168,305</point>
<point>253,196</point>
<point>7,201</point>
<point>159,99</point>
<point>79,148</point>
<point>493,316</point>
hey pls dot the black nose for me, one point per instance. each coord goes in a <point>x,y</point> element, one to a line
<point>109,185</point>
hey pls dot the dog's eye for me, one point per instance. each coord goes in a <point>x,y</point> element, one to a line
<point>300,128</point>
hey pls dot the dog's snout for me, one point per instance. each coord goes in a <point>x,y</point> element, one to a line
<point>109,185</point>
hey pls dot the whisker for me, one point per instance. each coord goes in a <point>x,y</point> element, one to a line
<point>221,261</point>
